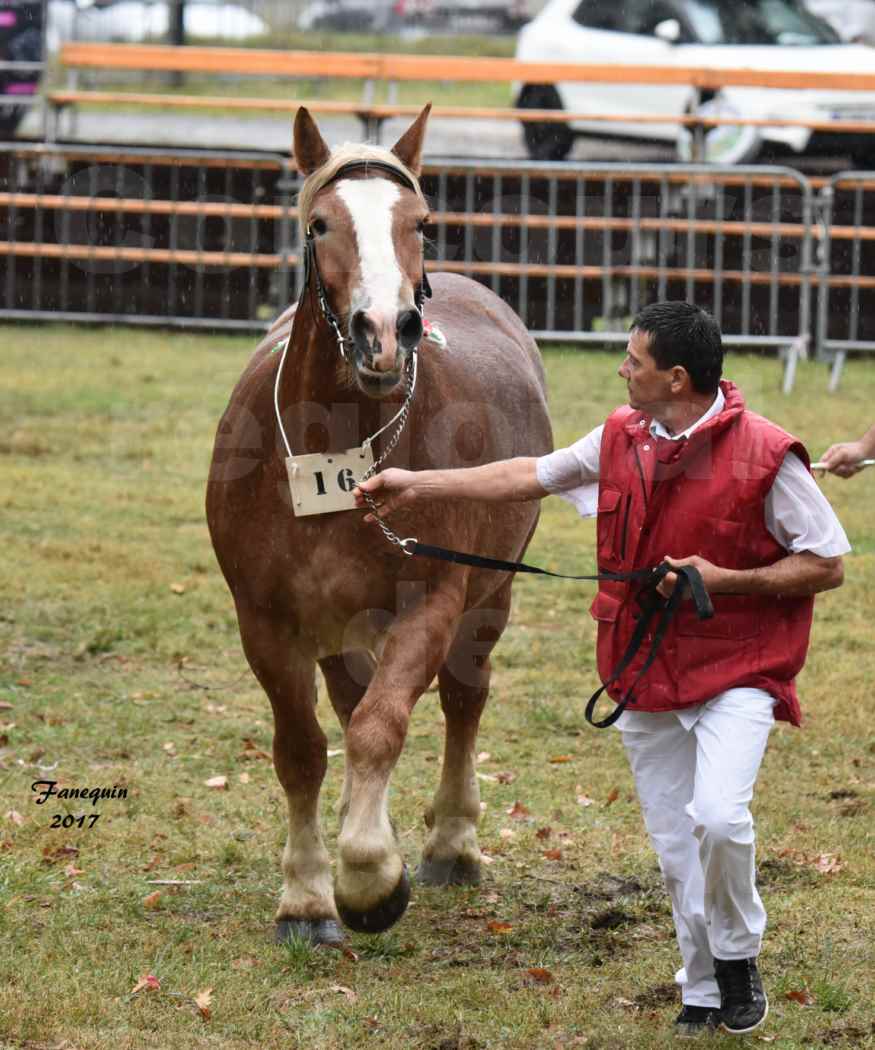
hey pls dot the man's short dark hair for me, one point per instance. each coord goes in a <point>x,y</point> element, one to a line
<point>686,335</point>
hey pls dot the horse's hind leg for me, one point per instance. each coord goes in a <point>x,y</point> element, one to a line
<point>306,908</point>
<point>451,854</point>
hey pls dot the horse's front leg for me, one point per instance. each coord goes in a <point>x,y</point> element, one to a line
<point>306,907</point>
<point>371,888</point>
<point>451,855</point>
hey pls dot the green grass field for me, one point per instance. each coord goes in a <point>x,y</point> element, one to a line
<point>120,665</point>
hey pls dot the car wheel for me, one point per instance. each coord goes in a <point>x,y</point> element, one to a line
<point>544,141</point>
<point>724,144</point>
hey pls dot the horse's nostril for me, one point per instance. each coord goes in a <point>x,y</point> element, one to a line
<point>362,327</point>
<point>409,327</point>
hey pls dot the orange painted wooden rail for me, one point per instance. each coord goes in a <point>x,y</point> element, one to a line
<point>391,69</point>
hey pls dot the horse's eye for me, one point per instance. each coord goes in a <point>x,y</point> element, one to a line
<point>318,226</point>
<point>420,225</point>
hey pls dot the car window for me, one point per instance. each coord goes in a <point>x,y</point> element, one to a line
<point>601,14</point>
<point>624,16</point>
<point>756,22</point>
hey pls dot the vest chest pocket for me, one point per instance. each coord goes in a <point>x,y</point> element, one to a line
<point>613,523</point>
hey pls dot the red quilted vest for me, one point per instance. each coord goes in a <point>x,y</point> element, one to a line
<point>706,497</point>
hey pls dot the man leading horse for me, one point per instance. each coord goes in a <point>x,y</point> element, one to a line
<point>687,474</point>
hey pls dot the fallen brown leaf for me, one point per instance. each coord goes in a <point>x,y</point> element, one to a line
<point>202,1001</point>
<point>148,982</point>
<point>543,833</point>
<point>246,962</point>
<point>153,900</point>
<point>553,854</point>
<point>540,976</point>
<point>518,811</point>
<point>803,997</point>
<point>828,864</point>
<point>613,795</point>
<point>5,705</point>
<point>252,754</point>
<point>52,856</point>
<point>347,993</point>
<point>71,871</point>
<point>177,588</point>
<point>494,926</point>
<point>507,776</point>
<point>558,760</point>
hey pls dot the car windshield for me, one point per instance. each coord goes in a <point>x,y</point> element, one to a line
<point>756,22</point>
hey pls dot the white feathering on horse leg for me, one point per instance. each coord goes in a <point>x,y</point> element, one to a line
<point>307,883</point>
<point>369,864</point>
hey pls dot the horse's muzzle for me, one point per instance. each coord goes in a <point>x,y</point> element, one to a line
<point>382,348</point>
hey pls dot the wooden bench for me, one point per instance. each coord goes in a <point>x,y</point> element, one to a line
<point>376,68</point>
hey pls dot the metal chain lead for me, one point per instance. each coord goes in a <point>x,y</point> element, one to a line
<point>391,536</point>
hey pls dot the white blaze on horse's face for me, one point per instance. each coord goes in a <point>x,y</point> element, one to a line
<point>378,314</point>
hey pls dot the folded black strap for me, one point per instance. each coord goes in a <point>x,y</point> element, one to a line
<point>653,604</point>
<point>689,577</point>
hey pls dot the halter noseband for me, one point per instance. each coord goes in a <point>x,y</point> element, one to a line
<point>311,264</point>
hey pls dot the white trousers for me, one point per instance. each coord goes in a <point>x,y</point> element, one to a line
<point>695,772</point>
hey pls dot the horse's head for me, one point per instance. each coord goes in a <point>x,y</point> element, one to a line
<point>362,216</point>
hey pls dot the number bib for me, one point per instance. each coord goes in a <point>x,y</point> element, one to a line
<point>324,483</point>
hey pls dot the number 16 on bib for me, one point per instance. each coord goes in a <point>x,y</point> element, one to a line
<point>324,483</point>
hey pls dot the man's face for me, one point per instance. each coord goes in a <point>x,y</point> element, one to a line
<point>649,387</point>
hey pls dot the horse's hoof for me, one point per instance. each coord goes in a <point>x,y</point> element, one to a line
<point>454,871</point>
<point>315,931</point>
<point>386,913</point>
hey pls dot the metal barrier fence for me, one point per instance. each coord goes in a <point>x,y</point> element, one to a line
<point>189,238</point>
<point>846,283</point>
<point>209,239</point>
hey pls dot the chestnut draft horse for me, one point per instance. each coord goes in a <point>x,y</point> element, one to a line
<point>326,588</point>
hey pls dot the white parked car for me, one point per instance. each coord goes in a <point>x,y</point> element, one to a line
<point>133,21</point>
<point>776,35</point>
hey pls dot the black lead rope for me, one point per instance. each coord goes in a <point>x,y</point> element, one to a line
<point>653,605</point>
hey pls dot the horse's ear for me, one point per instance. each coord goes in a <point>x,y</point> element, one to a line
<point>408,149</point>
<point>311,150</point>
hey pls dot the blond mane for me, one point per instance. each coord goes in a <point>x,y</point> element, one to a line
<point>346,154</point>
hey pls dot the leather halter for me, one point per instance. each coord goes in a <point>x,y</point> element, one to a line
<point>311,263</point>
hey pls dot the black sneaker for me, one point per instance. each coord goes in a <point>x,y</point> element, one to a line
<point>743,1003</point>
<point>693,1021</point>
